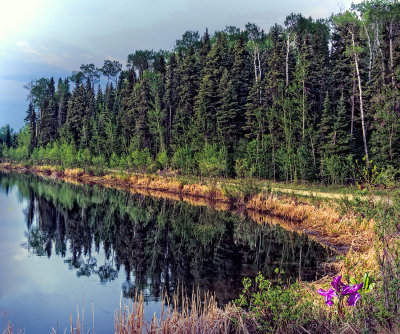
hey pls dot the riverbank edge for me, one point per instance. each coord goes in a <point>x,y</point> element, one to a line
<point>300,214</point>
<point>321,220</point>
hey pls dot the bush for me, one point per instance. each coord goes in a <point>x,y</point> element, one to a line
<point>162,159</point>
<point>275,307</point>
<point>213,162</point>
<point>84,158</point>
<point>99,164</point>
<point>184,159</point>
<point>140,160</point>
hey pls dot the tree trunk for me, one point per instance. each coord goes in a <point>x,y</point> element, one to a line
<point>287,59</point>
<point>391,54</point>
<point>169,125</point>
<point>361,98</point>
<point>255,62</point>
<point>352,106</point>
<point>304,105</point>
<point>370,51</point>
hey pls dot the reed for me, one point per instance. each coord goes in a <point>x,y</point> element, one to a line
<point>182,314</point>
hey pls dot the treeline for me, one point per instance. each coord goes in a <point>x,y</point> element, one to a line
<point>304,101</point>
<point>8,137</point>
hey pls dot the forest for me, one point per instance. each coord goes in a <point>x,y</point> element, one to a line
<point>310,100</point>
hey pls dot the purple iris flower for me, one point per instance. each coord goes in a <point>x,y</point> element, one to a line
<point>348,290</point>
<point>341,290</point>
<point>337,283</point>
<point>328,295</point>
<point>353,298</point>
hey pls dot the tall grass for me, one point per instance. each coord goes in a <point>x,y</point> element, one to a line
<point>182,314</point>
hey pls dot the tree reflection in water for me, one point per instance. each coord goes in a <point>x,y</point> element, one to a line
<point>159,243</point>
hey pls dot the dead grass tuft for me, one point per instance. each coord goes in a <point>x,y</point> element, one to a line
<point>73,172</point>
<point>184,315</point>
<point>323,220</point>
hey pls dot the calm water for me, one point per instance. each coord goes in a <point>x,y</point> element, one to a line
<point>64,246</point>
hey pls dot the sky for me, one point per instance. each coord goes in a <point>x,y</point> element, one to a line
<point>44,38</point>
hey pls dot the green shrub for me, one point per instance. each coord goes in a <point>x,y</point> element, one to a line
<point>274,306</point>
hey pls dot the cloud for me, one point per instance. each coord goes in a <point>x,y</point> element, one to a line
<point>43,55</point>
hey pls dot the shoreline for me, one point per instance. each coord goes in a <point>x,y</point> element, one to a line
<point>322,223</point>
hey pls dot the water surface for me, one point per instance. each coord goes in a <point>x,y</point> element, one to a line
<point>65,246</point>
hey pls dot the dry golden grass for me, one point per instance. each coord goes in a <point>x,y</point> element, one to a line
<point>46,169</point>
<point>323,220</point>
<point>73,172</point>
<point>186,315</point>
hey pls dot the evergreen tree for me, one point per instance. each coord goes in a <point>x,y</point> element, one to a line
<point>187,93</point>
<point>203,127</point>
<point>171,93</point>
<point>75,114</point>
<point>48,123</point>
<point>241,78</point>
<point>225,116</point>
<point>31,120</point>
<point>204,49</point>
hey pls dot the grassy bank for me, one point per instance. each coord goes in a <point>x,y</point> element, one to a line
<point>322,218</point>
<point>365,228</point>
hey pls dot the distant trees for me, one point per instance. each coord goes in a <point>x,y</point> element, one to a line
<point>303,101</point>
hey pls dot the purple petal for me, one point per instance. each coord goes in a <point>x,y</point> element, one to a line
<point>347,290</point>
<point>322,292</point>
<point>329,302</point>
<point>353,298</point>
<point>337,283</point>
<point>328,295</point>
<point>357,287</point>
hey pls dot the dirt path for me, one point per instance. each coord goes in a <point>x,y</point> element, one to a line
<point>320,194</point>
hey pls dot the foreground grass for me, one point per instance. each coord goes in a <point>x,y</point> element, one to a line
<point>366,229</point>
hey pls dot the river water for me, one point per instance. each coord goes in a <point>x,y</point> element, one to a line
<point>65,248</point>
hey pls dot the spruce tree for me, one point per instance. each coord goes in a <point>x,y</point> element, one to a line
<point>241,78</point>
<point>226,114</point>
<point>187,93</point>
<point>171,98</point>
<point>31,120</point>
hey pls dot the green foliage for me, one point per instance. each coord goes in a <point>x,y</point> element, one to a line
<point>162,159</point>
<point>140,160</point>
<point>274,306</point>
<point>337,169</point>
<point>212,162</point>
<point>184,159</point>
<point>99,164</point>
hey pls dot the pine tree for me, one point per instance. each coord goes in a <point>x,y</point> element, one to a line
<point>31,120</point>
<point>241,78</point>
<point>141,137</point>
<point>75,115</point>
<point>342,137</point>
<point>203,127</point>
<point>171,93</point>
<point>326,129</point>
<point>204,49</point>
<point>226,114</point>
<point>48,123</point>
<point>188,89</point>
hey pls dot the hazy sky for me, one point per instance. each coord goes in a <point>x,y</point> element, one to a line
<point>44,38</point>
